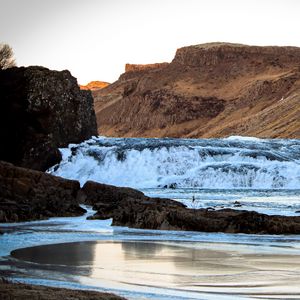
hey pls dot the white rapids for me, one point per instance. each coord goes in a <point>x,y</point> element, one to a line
<point>229,163</point>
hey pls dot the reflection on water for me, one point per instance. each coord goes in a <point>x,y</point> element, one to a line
<point>142,250</point>
<point>71,254</point>
<point>169,269</point>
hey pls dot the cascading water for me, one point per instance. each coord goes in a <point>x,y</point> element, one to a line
<point>229,163</point>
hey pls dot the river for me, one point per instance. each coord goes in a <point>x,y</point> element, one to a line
<point>236,172</point>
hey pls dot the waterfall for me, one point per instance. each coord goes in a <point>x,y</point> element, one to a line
<point>228,163</point>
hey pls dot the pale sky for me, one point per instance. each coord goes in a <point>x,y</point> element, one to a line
<point>94,39</point>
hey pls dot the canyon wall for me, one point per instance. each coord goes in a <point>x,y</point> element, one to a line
<point>208,90</point>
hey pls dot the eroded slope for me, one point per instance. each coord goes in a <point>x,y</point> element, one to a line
<point>208,90</point>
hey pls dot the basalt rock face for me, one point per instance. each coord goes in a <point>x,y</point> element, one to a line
<point>42,110</point>
<point>32,195</point>
<point>137,67</point>
<point>208,90</point>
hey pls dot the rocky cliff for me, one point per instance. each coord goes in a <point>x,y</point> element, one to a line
<point>138,67</point>
<point>208,90</point>
<point>42,110</point>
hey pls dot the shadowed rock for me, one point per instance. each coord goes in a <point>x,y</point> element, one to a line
<point>132,208</point>
<point>42,110</point>
<point>32,195</point>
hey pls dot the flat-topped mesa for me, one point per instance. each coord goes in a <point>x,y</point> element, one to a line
<point>138,70</point>
<point>139,67</point>
<point>211,54</point>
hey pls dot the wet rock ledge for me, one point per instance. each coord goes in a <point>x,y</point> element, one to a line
<point>31,195</point>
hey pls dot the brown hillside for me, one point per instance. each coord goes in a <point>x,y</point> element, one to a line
<point>208,90</point>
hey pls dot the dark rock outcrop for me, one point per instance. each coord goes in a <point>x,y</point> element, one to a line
<point>109,200</point>
<point>42,110</point>
<point>132,208</point>
<point>32,195</point>
<point>206,220</point>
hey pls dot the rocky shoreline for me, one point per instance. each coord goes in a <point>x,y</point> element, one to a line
<point>131,208</point>
<point>19,291</point>
<point>27,195</point>
<point>32,195</point>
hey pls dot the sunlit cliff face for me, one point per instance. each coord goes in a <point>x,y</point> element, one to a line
<point>94,85</point>
<point>141,67</point>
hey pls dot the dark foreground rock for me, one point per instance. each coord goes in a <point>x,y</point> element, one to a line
<point>18,291</point>
<point>110,201</point>
<point>42,110</point>
<point>132,208</point>
<point>225,220</point>
<point>32,195</point>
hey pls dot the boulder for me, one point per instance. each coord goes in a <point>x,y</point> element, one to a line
<point>32,195</point>
<point>42,110</point>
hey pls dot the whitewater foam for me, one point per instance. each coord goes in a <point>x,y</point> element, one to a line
<point>231,163</point>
